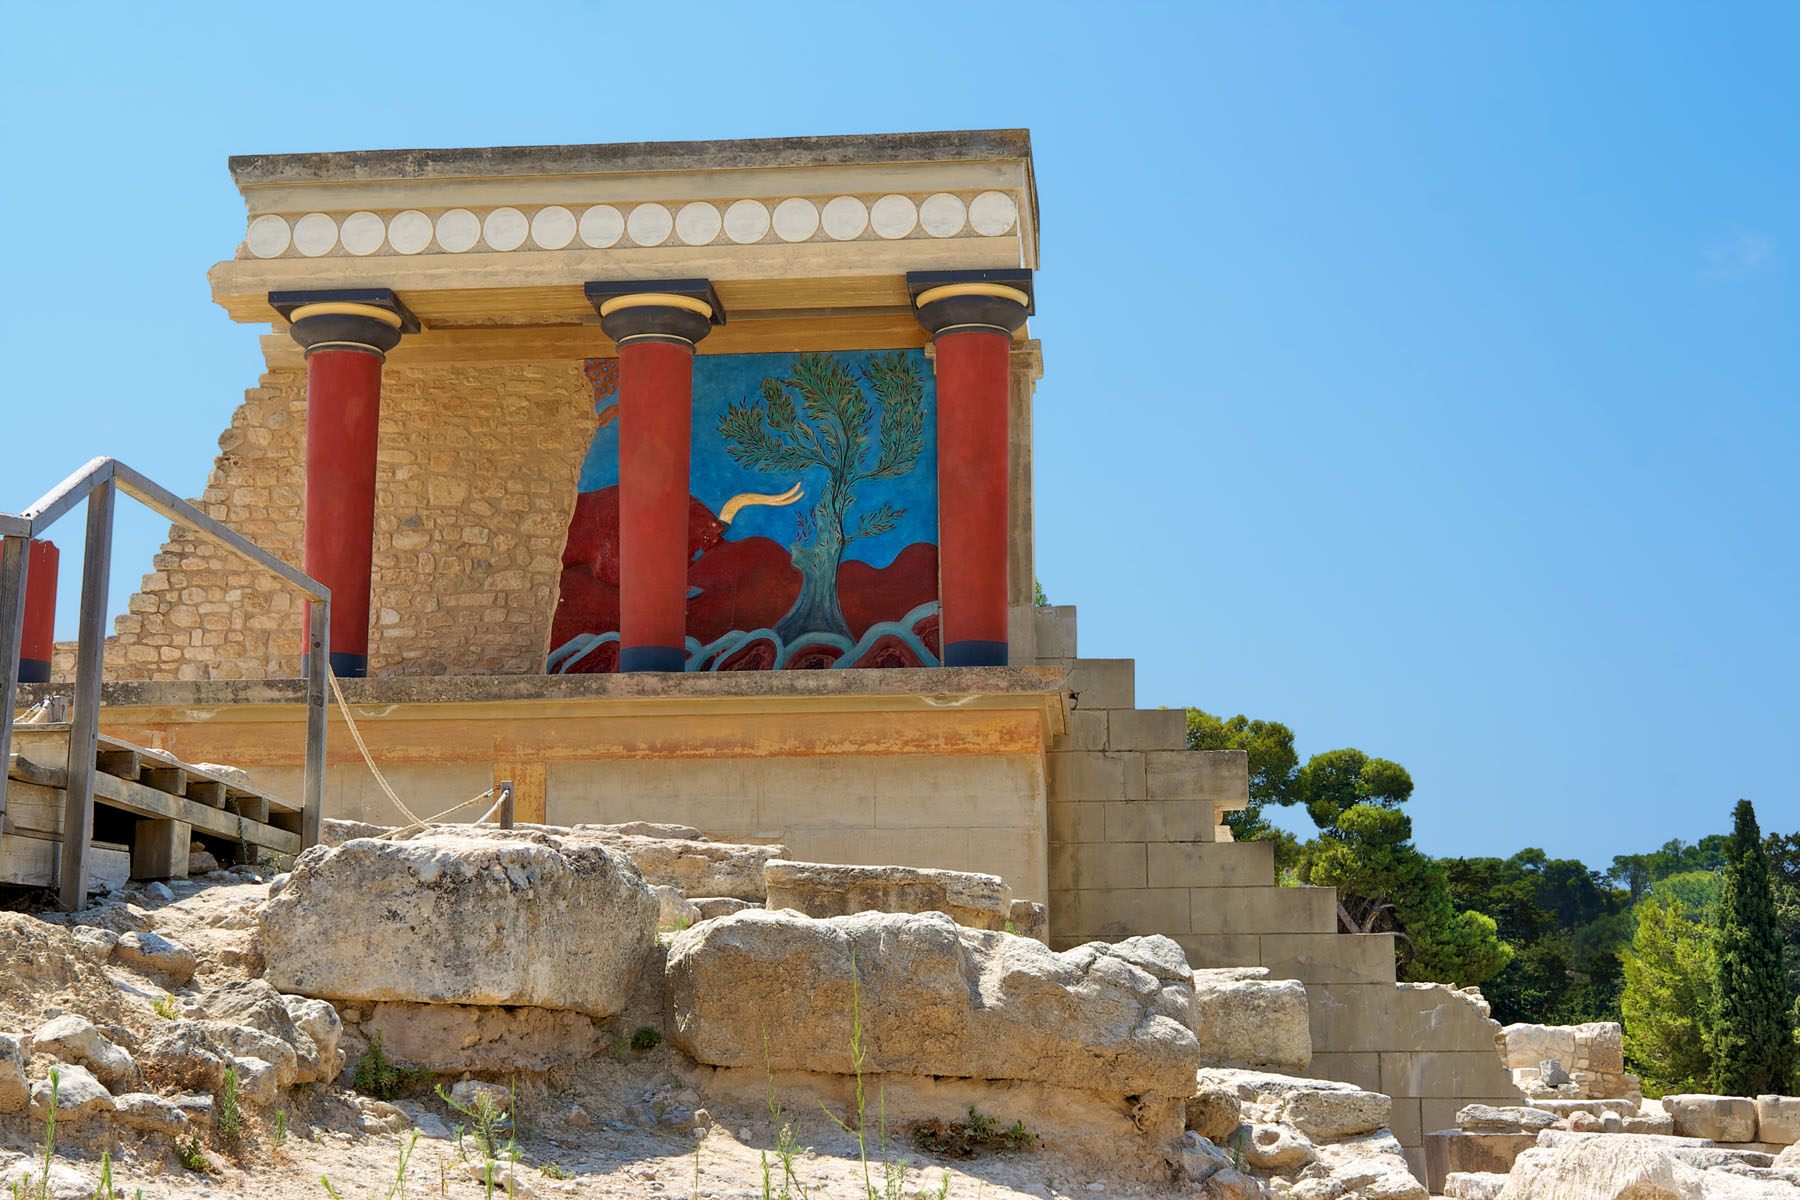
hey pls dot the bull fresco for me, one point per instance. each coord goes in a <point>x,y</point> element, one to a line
<point>812,523</point>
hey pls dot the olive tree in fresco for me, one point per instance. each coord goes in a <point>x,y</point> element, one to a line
<point>820,416</point>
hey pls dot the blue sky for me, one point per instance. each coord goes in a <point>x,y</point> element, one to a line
<point>1421,375</point>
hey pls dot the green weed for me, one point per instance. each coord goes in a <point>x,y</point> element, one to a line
<point>192,1156</point>
<point>50,1127</point>
<point>230,1119</point>
<point>165,1007</point>
<point>379,1076</point>
<point>281,1119</point>
<point>645,1038</point>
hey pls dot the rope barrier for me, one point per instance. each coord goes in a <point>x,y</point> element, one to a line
<point>416,821</point>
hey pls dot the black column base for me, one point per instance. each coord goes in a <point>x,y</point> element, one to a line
<point>652,658</point>
<point>34,670</point>
<point>349,666</point>
<point>975,654</point>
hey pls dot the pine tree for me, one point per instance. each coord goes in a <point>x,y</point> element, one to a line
<point>1753,1047</point>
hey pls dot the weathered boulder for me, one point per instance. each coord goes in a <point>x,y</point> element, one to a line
<point>79,1096</point>
<point>457,918</point>
<point>838,890</point>
<point>1488,1118</point>
<point>463,1037</point>
<point>259,1081</point>
<point>1778,1119</point>
<point>1029,919</point>
<point>1214,1111</point>
<point>194,1055</point>
<point>255,1005</point>
<point>318,1023</point>
<point>15,1088</point>
<point>1276,1148</point>
<point>156,954</point>
<point>1201,1159</point>
<point>697,868</point>
<point>1789,1159</point>
<point>28,1177</point>
<point>1627,1168</point>
<point>673,910</point>
<point>652,829</point>
<point>1721,1118</point>
<point>720,906</point>
<point>75,1039</point>
<point>149,1114</point>
<point>1474,1185</point>
<point>1473,1151</point>
<point>1334,1115</point>
<point>1242,1018</point>
<point>1366,1168</point>
<point>935,999</point>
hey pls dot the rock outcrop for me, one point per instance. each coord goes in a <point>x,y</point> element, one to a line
<point>933,999</point>
<point>695,867</point>
<point>522,918</point>
<point>1242,1018</point>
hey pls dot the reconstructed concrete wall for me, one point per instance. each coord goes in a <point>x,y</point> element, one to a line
<point>1136,847</point>
<point>961,812</point>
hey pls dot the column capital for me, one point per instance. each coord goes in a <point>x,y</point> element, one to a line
<point>367,320</point>
<point>656,310</point>
<point>950,301</point>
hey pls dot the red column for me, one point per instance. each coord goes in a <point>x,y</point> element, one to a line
<point>343,422</point>
<point>656,325</point>
<point>347,336</point>
<point>38,640</point>
<point>971,316</point>
<point>656,382</point>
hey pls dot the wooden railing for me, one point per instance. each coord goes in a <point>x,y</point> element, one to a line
<point>98,484</point>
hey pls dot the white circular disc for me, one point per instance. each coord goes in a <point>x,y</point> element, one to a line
<point>698,223</point>
<point>845,217</point>
<point>601,226</point>
<point>942,215</point>
<point>747,221</point>
<point>553,227</point>
<point>363,233</point>
<point>505,229</point>
<point>409,232</point>
<point>649,224</point>
<point>458,230</point>
<point>894,216</point>
<point>315,234</point>
<point>796,220</point>
<point>992,213</point>
<point>269,237</point>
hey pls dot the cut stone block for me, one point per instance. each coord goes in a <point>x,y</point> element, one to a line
<point>835,890</point>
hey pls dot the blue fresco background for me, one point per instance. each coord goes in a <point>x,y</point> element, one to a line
<point>721,380</point>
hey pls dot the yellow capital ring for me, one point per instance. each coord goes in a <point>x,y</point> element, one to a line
<point>338,308</point>
<point>656,300</point>
<point>951,290</point>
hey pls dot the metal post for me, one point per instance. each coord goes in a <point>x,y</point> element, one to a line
<point>15,559</point>
<point>78,810</point>
<point>506,804</point>
<point>318,658</point>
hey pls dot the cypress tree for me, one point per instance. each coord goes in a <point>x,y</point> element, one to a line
<point>1753,1034</point>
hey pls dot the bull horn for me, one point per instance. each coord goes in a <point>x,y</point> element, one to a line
<point>744,500</point>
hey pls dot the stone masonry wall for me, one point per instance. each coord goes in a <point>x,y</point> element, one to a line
<point>475,485</point>
<point>1137,847</point>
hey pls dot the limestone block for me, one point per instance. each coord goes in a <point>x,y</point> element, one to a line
<point>1029,919</point>
<point>1125,912</point>
<point>1087,731</point>
<point>1214,1111</point>
<point>1599,1047</point>
<point>1103,682</point>
<point>1471,1185</point>
<point>1487,1118</point>
<point>1095,777</point>
<point>1445,1073</point>
<point>1528,1045</point>
<point>1054,630</point>
<point>1332,1115</point>
<point>1276,1148</point>
<point>458,918</point>
<point>1212,864</point>
<point>720,906</point>
<point>1219,777</point>
<point>1244,1019</point>
<point>1091,866</point>
<point>1778,1119</point>
<point>1361,1069</point>
<point>1265,910</point>
<point>936,999</point>
<point>1147,729</point>
<point>1603,1165</point>
<point>1333,958</point>
<point>1721,1118</point>
<point>837,890</point>
<point>1485,1151</point>
<point>1211,951</point>
<point>484,1038</point>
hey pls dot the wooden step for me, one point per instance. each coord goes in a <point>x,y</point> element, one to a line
<point>27,861</point>
<point>124,760</point>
